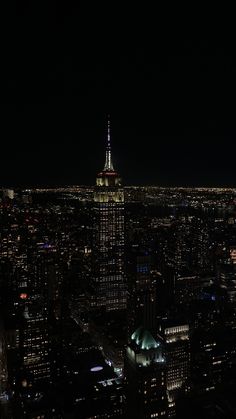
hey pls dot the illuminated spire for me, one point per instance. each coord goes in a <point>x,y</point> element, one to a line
<point>108,162</point>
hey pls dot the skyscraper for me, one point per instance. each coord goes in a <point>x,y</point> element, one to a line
<point>108,273</point>
<point>145,376</point>
<point>175,335</point>
<point>33,309</point>
<point>142,290</point>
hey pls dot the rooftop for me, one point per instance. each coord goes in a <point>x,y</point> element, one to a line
<point>144,339</point>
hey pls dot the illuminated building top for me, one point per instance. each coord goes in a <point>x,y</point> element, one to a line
<point>108,176</point>
<point>108,167</point>
<point>144,349</point>
<point>144,339</point>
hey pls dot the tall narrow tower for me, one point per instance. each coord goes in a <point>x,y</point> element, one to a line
<point>109,279</point>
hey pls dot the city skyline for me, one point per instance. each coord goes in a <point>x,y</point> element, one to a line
<point>139,167</point>
<point>117,212</point>
<point>113,301</point>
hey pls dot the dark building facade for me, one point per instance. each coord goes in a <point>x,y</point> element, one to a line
<point>142,291</point>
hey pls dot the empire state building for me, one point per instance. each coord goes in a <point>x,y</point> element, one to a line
<point>109,279</point>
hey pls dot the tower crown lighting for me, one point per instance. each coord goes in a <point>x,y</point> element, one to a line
<point>108,167</point>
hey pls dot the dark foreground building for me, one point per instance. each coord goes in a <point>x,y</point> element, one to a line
<point>145,377</point>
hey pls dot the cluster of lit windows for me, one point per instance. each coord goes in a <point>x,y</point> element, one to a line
<point>173,384</point>
<point>176,329</point>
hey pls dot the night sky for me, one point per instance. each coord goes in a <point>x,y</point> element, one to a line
<point>167,80</point>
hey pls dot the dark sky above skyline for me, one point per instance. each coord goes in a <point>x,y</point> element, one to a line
<point>168,83</point>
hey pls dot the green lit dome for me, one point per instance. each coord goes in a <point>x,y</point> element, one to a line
<point>144,339</point>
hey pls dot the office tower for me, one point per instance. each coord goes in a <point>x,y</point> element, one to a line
<point>35,289</point>
<point>33,312</point>
<point>188,246</point>
<point>145,377</point>
<point>3,359</point>
<point>8,194</point>
<point>212,357</point>
<point>227,282</point>
<point>189,287</point>
<point>142,285</point>
<point>108,272</point>
<point>232,252</point>
<point>177,353</point>
<point>40,307</point>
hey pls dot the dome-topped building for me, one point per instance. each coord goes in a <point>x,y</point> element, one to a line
<point>145,376</point>
<point>144,349</point>
<point>144,339</point>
